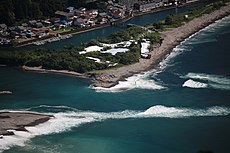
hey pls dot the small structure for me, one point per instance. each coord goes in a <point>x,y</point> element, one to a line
<point>79,22</point>
<point>64,15</point>
<point>54,20</point>
<point>24,24</point>
<point>3,27</point>
<point>69,9</point>
<point>38,25</point>
<point>32,23</point>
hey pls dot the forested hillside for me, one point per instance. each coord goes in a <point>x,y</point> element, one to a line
<point>12,11</point>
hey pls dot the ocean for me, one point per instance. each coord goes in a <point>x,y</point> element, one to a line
<point>181,107</point>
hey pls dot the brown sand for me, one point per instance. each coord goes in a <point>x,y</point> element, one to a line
<point>18,121</point>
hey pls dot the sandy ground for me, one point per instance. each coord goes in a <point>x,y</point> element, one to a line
<point>18,120</point>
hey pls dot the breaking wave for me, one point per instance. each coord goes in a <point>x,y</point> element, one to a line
<point>64,121</point>
<point>138,81</point>
<point>207,81</point>
<point>5,92</point>
<point>194,84</point>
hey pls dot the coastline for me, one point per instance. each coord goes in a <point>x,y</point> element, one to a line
<point>63,72</point>
<point>111,77</point>
<point>172,38</point>
<point>17,121</point>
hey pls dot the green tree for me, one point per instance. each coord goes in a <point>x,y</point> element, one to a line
<point>7,15</point>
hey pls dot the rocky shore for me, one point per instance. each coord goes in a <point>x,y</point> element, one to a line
<point>18,121</point>
<point>172,38</point>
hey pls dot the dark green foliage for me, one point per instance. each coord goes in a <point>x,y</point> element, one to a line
<point>177,20</point>
<point>67,59</point>
<point>153,37</point>
<point>62,60</point>
<point>158,25</point>
<point>7,15</point>
<point>125,35</point>
<point>17,10</point>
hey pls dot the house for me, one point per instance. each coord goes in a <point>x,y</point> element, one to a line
<point>30,34</point>
<point>20,29</point>
<point>128,3</point>
<point>32,23</point>
<point>80,22</point>
<point>103,15</point>
<point>57,26</point>
<point>102,20</point>
<point>38,25</point>
<point>3,27</point>
<point>69,9</point>
<point>64,15</point>
<point>46,23</point>
<point>11,28</point>
<point>82,9</point>
<point>54,20</point>
<point>116,14</point>
<point>78,12</point>
<point>24,24</point>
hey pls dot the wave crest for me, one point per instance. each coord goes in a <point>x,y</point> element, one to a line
<point>207,80</point>
<point>139,81</point>
<point>64,121</point>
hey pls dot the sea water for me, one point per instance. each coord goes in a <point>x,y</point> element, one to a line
<point>181,107</point>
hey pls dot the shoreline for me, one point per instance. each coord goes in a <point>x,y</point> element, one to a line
<point>172,38</point>
<point>17,121</point>
<point>111,77</point>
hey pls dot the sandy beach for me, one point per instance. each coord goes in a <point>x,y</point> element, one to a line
<point>111,77</point>
<point>18,121</point>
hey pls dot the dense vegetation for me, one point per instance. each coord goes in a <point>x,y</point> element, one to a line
<point>13,11</point>
<point>177,20</point>
<point>70,59</point>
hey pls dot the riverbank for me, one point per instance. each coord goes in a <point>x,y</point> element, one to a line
<point>63,72</point>
<point>119,21</point>
<point>17,121</point>
<point>173,37</point>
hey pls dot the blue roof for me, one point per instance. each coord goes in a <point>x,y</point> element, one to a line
<point>63,21</point>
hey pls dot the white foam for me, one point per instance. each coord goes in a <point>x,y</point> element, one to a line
<point>194,84</point>
<point>212,81</point>
<point>6,92</point>
<point>177,112</point>
<point>64,121</point>
<point>139,81</point>
<point>208,77</point>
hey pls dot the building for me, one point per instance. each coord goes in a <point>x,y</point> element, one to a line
<point>128,3</point>
<point>3,27</point>
<point>64,15</point>
<point>144,6</point>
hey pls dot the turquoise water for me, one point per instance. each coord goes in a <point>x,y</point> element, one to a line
<point>166,118</point>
